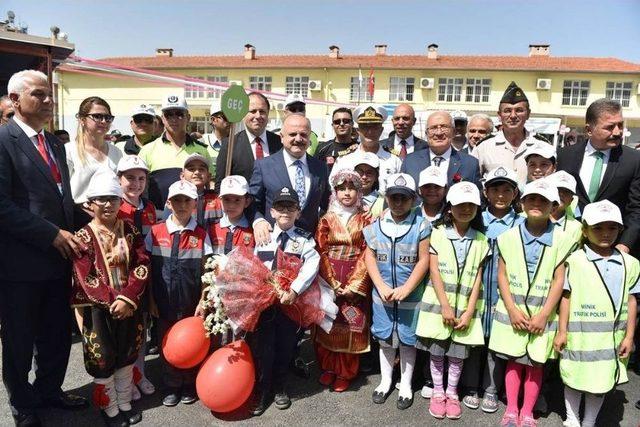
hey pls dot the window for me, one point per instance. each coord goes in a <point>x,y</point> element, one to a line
<point>297,85</point>
<point>196,91</point>
<point>359,92</point>
<point>575,92</point>
<point>401,88</point>
<point>199,124</point>
<point>216,93</point>
<point>478,90</point>
<point>620,91</point>
<point>260,83</point>
<point>449,89</point>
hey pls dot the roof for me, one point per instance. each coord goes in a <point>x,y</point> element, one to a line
<point>443,62</point>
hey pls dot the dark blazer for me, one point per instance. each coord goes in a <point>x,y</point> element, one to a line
<point>270,176</point>
<point>620,185</point>
<point>32,210</point>
<point>459,163</point>
<point>419,144</point>
<point>242,157</point>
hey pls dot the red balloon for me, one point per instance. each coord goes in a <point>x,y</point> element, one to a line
<point>226,378</point>
<point>185,344</point>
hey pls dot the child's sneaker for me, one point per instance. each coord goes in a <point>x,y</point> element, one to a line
<point>509,420</point>
<point>528,422</point>
<point>453,409</point>
<point>427,391</point>
<point>489,403</point>
<point>471,401</point>
<point>438,406</point>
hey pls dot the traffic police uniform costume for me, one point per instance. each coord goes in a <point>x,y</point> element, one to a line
<point>224,235</point>
<point>142,216</point>
<point>129,146</point>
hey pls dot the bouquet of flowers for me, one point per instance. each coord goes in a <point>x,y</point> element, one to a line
<point>216,319</point>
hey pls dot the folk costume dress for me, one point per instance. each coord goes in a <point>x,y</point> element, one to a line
<point>342,247</point>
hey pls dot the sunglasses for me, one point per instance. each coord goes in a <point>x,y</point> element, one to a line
<point>97,117</point>
<point>142,119</point>
<point>178,114</point>
<point>286,208</point>
<point>339,122</point>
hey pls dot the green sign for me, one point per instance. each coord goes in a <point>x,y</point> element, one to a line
<point>235,103</point>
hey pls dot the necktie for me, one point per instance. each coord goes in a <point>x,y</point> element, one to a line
<point>300,183</point>
<point>437,160</point>
<point>594,184</point>
<point>44,152</point>
<point>228,240</point>
<point>259,150</point>
<point>283,238</point>
<point>200,210</point>
<point>403,149</point>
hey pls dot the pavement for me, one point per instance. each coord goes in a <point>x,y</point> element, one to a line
<point>315,405</point>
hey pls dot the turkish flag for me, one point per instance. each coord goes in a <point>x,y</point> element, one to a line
<point>372,83</point>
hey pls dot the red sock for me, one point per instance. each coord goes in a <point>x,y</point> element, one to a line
<point>512,381</point>
<point>532,385</point>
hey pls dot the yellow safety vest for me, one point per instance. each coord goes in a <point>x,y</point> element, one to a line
<point>458,283</point>
<point>590,361</point>
<point>529,295</point>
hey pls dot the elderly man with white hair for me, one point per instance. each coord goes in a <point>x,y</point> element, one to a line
<point>479,128</point>
<point>459,165</point>
<point>36,219</point>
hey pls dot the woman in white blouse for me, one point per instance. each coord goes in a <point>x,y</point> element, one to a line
<point>90,152</point>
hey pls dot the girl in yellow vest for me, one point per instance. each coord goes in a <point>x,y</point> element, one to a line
<point>530,280</point>
<point>562,215</point>
<point>597,315</point>
<point>449,322</point>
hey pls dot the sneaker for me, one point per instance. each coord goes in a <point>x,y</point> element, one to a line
<point>427,391</point>
<point>509,420</point>
<point>282,399</point>
<point>189,395</point>
<point>146,387</point>
<point>438,406</point>
<point>570,424</point>
<point>471,401</point>
<point>528,422</point>
<point>452,408</point>
<point>489,403</point>
<point>172,398</point>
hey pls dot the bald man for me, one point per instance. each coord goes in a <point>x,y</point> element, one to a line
<point>403,142</point>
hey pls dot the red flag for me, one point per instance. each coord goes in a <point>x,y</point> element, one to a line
<point>372,84</point>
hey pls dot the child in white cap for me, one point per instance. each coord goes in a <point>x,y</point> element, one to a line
<point>560,216</point>
<point>530,279</point>
<point>109,280</point>
<point>449,322</point>
<point>432,184</point>
<point>208,206</point>
<point>597,314</point>
<point>233,229</point>
<point>367,165</point>
<point>541,161</point>
<point>397,259</point>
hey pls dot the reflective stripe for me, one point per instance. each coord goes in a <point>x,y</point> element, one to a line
<point>603,326</point>
<point>165,252</point>
<point>589,355</point>
<point>452,288</point>
<point>377,300</point>
<point>531,300</point>
<point>505,320</point>
<point>437,309</point>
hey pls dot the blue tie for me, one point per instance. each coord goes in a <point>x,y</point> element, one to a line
<point>300,182</point>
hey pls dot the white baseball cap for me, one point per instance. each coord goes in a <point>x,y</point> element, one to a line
<point>433,175</point>
<point>401,183</point>
<point>103,183</point>
<point>458,115</point>
<point>501,174</point>
<point>292,98</point>
<point>463,192</point>
<point>564,180</point>
<point>542,149</point>
<point>216,107</point>
<point>544,187</point>
<point>143,110</point>
<point>130,162</point>
<point>366,158</point>
<point>236,185</point>
<point>184,188</point>
<point>197,156</point>
<point>602,211</point>
<point>174,102</point>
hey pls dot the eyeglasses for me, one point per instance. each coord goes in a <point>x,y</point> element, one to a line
<point>339,122</point>
<point>177,114</point>
<point>103,200</point>
<point>143,118</point>
<point>436,128</point>
<point>286,208</point>
<point>97,117</point>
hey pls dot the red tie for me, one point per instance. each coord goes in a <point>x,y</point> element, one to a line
<point>403,149</point>
<point>42,148</point>
<point>259,150</point>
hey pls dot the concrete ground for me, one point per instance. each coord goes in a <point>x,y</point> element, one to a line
<point>315,405</point>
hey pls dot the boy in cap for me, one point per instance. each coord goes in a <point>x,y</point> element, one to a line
<point>109,280</point>
<point>560,216</point>
<point>178,247</point>
<point>276,333</point>
<point>208,207</point>
<point>541,161</point>
<point>233,229</point>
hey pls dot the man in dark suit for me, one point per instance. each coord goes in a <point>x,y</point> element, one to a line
<point>36,212</point>
<point>604,169</point>
<point>290,167</point>
<point>403,142</point>
<point>460,166</point>
<point>251,144</point>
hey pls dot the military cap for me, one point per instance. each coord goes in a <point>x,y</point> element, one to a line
<point>370,114</point>
<point>513,95</point>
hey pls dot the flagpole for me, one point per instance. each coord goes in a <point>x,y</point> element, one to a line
<point>360,79</point>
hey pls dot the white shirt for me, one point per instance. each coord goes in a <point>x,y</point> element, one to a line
<point>33,136</point>
<point>589,161</point>
<point>389,164</point>
<point>263,142</point>
<point>292,170</point>
<point>80,173</point>
<point>410,144</point>
<point>444,163</point>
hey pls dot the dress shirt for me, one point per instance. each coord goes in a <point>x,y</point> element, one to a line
<point>589,161</point>
<point>265,147</point>
<point>289,161</point>
<point>410,144</point>
<point>444,163</point>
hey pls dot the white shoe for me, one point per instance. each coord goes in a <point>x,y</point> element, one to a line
<point>570,424</point>
<point>426,392</point>
<point>135,393</point>
<point>146,387</point>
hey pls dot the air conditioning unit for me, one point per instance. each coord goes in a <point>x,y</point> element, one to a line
<point>235,82</point>
<point>543,84</point>
<point>279,105</point>
<point>315,85</point>
<point>427,83</point>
